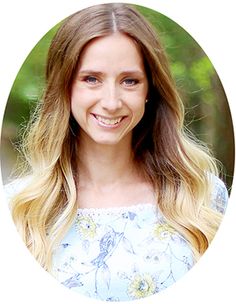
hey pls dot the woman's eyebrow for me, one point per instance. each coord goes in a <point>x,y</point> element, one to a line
<point>133,72</point>
<point>89,72</point>
<point>125,72</point>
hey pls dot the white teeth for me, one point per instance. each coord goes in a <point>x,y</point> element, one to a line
<point>107,121</point>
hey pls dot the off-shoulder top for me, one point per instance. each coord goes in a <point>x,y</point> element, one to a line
<point>125,253</point>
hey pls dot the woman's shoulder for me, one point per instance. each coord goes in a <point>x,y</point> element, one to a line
<point>219,197</point>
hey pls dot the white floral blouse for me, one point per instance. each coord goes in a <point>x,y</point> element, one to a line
<point>121,254</point>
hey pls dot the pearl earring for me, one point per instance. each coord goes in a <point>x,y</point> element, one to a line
<point>146,100</point>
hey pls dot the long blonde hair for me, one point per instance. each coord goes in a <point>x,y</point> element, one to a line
<point>178,167</point>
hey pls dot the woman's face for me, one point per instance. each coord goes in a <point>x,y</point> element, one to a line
<point>110,88</point>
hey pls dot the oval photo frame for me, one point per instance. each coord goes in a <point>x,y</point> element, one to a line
<point>178,70</point>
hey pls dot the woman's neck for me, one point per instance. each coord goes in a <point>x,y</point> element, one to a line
<point>108,177</point>
<point>105,165</point>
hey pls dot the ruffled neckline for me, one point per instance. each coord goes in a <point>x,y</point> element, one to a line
<point>117,210</point>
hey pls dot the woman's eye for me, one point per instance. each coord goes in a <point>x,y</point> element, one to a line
<point>91,80</point>
<point>130,82</point>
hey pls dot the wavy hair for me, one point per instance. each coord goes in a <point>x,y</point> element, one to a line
<point>178,166</point>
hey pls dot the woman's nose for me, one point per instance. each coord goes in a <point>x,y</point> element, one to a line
<point>111,100</point>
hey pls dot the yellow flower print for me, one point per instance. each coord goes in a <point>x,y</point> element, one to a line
<point>86,227</point>
<point>163,231</point>
<point>142,286</point>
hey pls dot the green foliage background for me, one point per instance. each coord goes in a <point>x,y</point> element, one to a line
<point>207,111</point>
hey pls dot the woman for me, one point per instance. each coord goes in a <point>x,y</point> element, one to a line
<point>119,202</point>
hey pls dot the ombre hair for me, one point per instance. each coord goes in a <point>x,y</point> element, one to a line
<point>178,166</point>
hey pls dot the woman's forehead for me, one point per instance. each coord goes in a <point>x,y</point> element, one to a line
<point>111,51</point>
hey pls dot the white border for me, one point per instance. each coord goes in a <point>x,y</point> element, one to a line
<point>211,23</point>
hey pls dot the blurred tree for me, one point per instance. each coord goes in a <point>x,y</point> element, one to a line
<point>207,111</point>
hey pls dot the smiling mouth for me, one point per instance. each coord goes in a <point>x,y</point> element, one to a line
<point>109,121</point>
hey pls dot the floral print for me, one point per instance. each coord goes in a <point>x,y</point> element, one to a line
<point>121,254</point>
<point>141,286</point>
<point>85,227</point>
<point>163,231</point>
<point>128,254</point>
